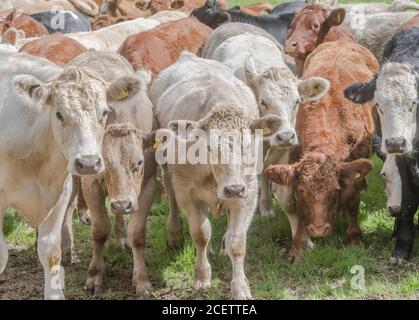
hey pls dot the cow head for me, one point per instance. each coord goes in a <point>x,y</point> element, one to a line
<point>393,185</point>
<point>211,14</point>
<point>279,92</point>
<point>124,156</point>
<point>320,185</point>
<point>132,8</point>
<point>78,100</point>
<point>309,27</point>
<point>225,147</point>
<point>395,93</point>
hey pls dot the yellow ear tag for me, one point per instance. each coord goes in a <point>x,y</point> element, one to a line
<point>157,144</point>
<point>356,176</point>
<point>122,95</point>
<point>266,131</point>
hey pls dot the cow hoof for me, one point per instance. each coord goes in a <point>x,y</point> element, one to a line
<point>175,242</point>
<point>145,290</point>
<point>268,213</point>
<point>122,244</point>
<point>55,296</point>
<point>310,244</point>
<point>202,285</point>
<point>94,290</point>
<point>295,259</point>
<point>397,261</point>
<point>83,216</point>
<point>354,241</point>
<point>240,289</point>
<point>66,259</point>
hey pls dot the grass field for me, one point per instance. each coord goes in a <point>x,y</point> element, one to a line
<point>325,272</point>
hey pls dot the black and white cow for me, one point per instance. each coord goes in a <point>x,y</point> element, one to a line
<point>395,90</point>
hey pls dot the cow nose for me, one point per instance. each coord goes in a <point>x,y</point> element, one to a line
<point>235,190</point>
<point>122,206</point>
<point>396,145</point>
<point>394,210</point>
<point>319,231</point>
<point>294,44</point>
<point>286,138</point>
<point>89,164</point>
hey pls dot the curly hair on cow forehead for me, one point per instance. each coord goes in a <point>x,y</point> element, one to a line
<point>316,167</point>
<point>121,130</point>
<point>226,117</point>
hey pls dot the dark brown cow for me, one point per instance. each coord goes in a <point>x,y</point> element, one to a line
<point>24,22</point>
<point>56,47</point>
<point>158,48</point>
<point>336,140</point>
<point>412,23</point>
<point>312,26</point>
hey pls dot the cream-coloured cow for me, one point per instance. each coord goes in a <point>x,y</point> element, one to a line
<point>63,112</point>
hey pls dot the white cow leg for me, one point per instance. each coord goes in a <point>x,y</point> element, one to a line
<point>137,239</point>
<point>49,246</point>
<point>4,250</point>
<point>235,243</point>
<point>200,230</point>
<point>174,223</point>
<point>265,201</point>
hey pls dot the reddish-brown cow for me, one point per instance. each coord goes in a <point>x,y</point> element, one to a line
<point>158,48</point>
<point>336,140</point>
<point>312,26</point>
<point>56,47</point>
<point>412,23</point>
<point>24,22</point>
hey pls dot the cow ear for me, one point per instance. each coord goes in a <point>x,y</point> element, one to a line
<point>32,88</point>
<point>222,16</point>
<point>355,171</point>
<point>149,139</point>
<point>123,88</point>
<point>281,174</point>
<point>250,70</point>
<point>335,17</point>
<point>270,124</point>
<point>10,17</point>
<point>361,92</point>
<point>313,89</point>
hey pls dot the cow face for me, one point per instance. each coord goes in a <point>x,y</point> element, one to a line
<point>279,92</point>
<point>393,185</point>
<point>226,146</point>
<point>124,157</point>
<point>395,93</point>
<point>309,27</point>
<point>78,101</point>
<point>211,14</point>
<point>320,185</point>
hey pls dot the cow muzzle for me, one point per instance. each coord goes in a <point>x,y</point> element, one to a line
<point>285,139</point>
<point>319,231</point>
<point>122,206</point>
<point>88,165</point>
<point>394,211</point>
<point>235,190</point>
<point>396,145</point>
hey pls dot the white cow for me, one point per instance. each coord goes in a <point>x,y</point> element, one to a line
<point>258,61</point>
<point>196,93</point>
<point>107,39</point>
<point>52,123</point>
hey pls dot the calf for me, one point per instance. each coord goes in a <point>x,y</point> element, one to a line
<point>63,21</point>
<point>312,26</point>
<point>25,23</point>
<point>156,49</point>
<point>394,90</point>
<point>200,95</point>
<point>213,16</point>
<point>335,140</point>
<point>129,176</point>
<point>63,135</point>
<point>257,61</point>
<point>56,47</point>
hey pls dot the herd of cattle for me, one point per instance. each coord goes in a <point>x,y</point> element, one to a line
<point>93,84</point>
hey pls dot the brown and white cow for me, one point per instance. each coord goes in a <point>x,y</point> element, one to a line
<point>23,22</point>
<point>55,47</point>
<point>157,49</point>
<point>311,26</point>
<point>129,176</point>
<point>336,140</point>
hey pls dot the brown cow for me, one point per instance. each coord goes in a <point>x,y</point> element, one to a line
<point>336,140</point>
<point>312,26</point>
<point>412,23</point>
<point>158,48</point>
<point>56,47</point>
<point>24,22</point>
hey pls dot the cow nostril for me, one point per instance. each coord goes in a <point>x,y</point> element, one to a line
<point>294,44</point>
<point>130,205</point>
<point>234,190</point>
<point>79,164</point>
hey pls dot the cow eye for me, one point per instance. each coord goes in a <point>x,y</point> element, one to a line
<point>140,162</point>
<point>264,104</point>
<point>413,106</point>
<point>383,174</point>
<point>59,116</point>
<point>105,113</point>
<point>316,26</point>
